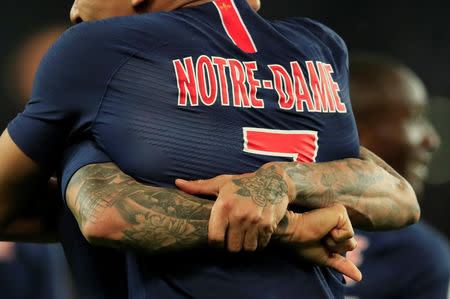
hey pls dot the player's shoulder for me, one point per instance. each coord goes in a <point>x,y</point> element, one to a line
<point>317,39</point>
<point>314,30</point>
<point>95,34</point>
<point>123,34</point>
<point>80,45</point>
<point>103,44</point>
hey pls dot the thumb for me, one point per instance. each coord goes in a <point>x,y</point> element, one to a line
<point>205,187</point>
<point>345,266</point>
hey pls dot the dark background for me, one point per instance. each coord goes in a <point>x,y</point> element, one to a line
<point>415,32</point>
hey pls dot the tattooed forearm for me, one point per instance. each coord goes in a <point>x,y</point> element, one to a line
<point>266,187</point>
<point>151,219</point>
<point>156,232</point>
<point>376,197</point>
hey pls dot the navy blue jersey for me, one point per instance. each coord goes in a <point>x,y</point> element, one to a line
<point>413,262</point>
<point>194,93</point>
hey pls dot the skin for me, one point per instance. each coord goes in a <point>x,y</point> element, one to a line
<point>114,210</point>
<point>91,10</point>
<point>358,184</point>
<point>401,132</point>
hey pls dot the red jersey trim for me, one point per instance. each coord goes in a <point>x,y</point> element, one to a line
<point>234,26</point>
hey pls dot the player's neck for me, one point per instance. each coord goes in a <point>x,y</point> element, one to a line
<point>164,5</point>
<point>188,3</point>
<point>158,5</point>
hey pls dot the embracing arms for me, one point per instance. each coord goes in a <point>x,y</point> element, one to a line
<point>375,195</point>
<point>114,210</point>
<point>137,216</point>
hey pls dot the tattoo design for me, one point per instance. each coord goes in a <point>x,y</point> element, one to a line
<point>365,191</point>
<point>266,187</point>
<point>156,218</point>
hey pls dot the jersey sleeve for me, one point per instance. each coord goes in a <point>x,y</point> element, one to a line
<point>77,156</point>
<point>67,91</point>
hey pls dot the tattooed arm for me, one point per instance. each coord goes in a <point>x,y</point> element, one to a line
<point>114,210</point>
<point>375,195</point>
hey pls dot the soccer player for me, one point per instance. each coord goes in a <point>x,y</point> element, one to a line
<point>194,90</point>
<point>390,104</point>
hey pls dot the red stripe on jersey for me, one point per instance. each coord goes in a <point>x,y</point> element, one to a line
<point>234,26</point>
<point>300,145</point>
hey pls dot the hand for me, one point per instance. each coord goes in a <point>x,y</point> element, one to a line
<point>321,236</point>
<point>248,207</point>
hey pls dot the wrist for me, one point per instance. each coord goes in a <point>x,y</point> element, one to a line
<point>281,170</point>
<point>318,185</point>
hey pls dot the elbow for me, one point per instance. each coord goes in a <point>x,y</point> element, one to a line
<point>104,231</point>
<point>411,206</point>
<point>93,233</point>
<point>415,211</point>
<point>415,217</point>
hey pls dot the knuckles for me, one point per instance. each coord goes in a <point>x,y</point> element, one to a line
<point>353,244</point>
<point>251,248</point>
<point>234,248</point>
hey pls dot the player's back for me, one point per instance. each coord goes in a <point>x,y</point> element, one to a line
<point>214,85</point>
<point>216,89</point>
<point>199,92</point>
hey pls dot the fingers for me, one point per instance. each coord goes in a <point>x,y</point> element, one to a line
<point>218,224</point>
<point>240,229</point>
<point>340,246</point>
<point>264,237</point>
<point>343,265</point>
<point>237,219</point>
<point>247,237</point>
<point>235,238</point>
<point>248,232</point>
<point>343,230</point>
<point>309,227</point>
<point>251,240</point>
<point>205,187</point>
<point>341,234</point>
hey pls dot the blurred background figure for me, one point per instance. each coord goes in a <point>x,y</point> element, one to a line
<point>31,270</point>
<point>19,66</point>
<point>436,200</point>
<point>19,22</point>
<point>390,104</point>
<point>24,60</point>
